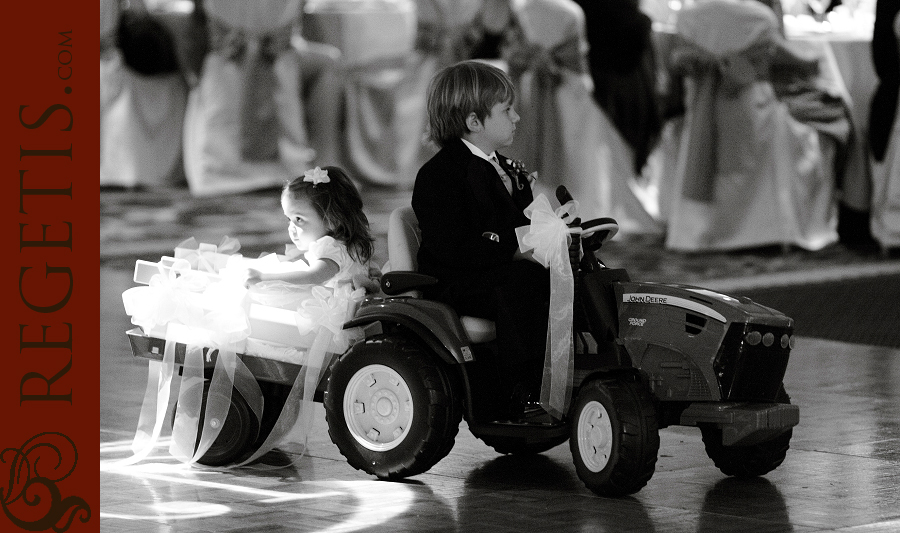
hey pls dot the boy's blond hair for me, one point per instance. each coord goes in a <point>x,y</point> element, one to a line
<point>460,89</point>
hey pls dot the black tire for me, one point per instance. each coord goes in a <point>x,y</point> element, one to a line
<point>748,461</point>
<point>520,446</point>
<point>376,435</point>
<point>614,435</point>
<point>237,436</point>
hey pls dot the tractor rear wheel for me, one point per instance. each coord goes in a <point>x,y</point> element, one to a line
<point>391,408</point>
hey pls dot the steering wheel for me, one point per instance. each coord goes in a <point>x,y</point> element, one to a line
<point>597,231</point>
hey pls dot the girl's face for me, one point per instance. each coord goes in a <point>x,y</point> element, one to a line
<point>500,126</point>
<point>306,226</point>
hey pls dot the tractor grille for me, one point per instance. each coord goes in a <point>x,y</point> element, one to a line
<point>752,361</point>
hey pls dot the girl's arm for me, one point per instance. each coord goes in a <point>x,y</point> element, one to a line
<point>320,271</point>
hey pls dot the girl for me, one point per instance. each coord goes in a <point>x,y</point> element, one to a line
<point>328,226</point>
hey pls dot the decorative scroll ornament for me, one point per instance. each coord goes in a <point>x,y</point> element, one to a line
<point>32,498</point>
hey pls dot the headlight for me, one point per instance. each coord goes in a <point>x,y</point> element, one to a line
<point>753,338</point>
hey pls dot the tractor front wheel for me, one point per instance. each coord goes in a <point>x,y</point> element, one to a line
<point>748,461</point>
<point>614,435</point>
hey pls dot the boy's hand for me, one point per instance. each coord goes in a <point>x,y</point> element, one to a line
<point>519,255</point>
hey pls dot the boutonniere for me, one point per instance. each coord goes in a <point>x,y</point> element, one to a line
<point>518,167</point>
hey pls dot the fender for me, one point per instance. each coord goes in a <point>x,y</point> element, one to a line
<point>436,324</point>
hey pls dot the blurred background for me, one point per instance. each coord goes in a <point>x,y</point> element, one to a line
<point>745,146</point>
<point>207,107</point>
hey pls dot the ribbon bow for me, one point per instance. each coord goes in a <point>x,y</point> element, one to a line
<point>719,82</point>
<point>328,310</point>
<point>316,176</point>
<point>259,122</point>
<point>199,313</point>
<point>214,312</point>
<point>548,67</point>
<point>548,236</point>
<point>167,298</point>
<point>207,257</point>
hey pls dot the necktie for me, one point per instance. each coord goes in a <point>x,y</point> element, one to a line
<point>504,177</point>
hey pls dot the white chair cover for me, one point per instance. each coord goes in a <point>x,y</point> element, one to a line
<point>885,214</point>
<point>141,117</point>
<point>442,25</point>
<point>747,173</point>
<point>563,133</point>
<point>386,118</point>
<point>244,127</point>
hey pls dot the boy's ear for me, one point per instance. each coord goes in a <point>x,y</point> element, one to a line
<point>473,123</point>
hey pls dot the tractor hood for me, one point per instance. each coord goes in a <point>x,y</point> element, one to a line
<point>710,304</point>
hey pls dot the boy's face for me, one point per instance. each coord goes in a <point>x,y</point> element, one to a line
<point>500,126</point>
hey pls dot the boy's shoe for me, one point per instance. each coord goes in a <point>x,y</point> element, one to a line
<point>518,401</point>
<point>523,409</point>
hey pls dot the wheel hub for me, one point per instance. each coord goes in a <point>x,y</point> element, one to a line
<point>595,436</point>
<point>378,407</point>
<point>384,406</point>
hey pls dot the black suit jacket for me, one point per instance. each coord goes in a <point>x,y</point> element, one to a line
<point>457,198</point>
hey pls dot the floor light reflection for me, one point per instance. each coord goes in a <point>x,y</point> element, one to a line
<point>375,502</point>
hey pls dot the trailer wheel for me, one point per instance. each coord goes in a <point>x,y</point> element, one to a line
<point>614,436</point>
<point>748,461</point>
<point>239,431</point>
<point>391,408</point>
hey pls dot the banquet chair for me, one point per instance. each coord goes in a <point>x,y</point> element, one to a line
<point>747,173</point>
<point>143,95</point>
<point>563,133</point>
<point>885,214</point>
<point>244,126</point>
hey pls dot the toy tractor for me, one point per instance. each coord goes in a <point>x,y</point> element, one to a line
<point>647,356</point>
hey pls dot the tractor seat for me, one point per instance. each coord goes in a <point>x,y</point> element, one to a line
<point>401,277</point>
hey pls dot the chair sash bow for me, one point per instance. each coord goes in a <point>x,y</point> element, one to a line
<point>719,82</point>
<point>256,54</point>
<point>547,67</point>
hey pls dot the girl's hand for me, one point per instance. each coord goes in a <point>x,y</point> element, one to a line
<point>252,276</point>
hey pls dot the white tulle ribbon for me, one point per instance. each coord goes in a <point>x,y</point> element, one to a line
<point>199,313</point>
<point>548,238</point>
<point>209,316</point>
<point>324,313</point>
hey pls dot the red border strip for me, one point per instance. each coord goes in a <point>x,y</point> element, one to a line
<point>49,383</point>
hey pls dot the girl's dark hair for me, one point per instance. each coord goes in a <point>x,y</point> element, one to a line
<point>339,204</point>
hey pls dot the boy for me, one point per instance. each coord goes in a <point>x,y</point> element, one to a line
<point>468,207</point>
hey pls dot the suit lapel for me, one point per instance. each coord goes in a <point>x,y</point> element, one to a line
<point>522,195</point>
<point>485,182</point>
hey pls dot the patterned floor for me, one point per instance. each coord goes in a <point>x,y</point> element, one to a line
<point>842,472</point>
<point>147,224</point>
